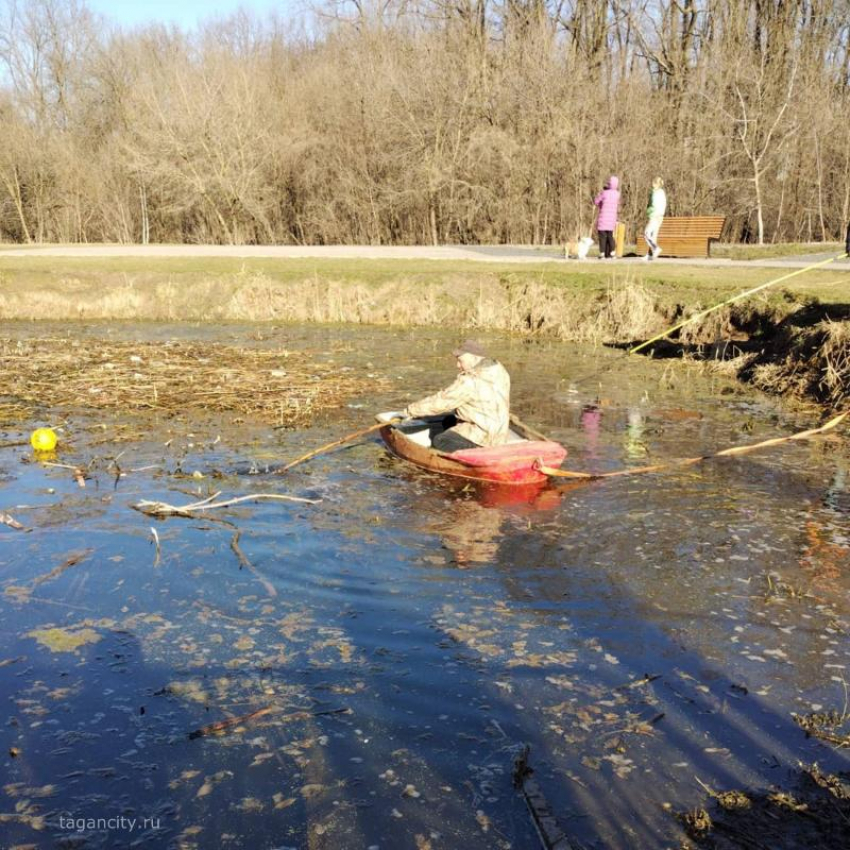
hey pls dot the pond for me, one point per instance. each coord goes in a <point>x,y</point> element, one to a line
<point>393,646</point>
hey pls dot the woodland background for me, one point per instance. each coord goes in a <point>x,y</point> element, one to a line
<point>424,121</point>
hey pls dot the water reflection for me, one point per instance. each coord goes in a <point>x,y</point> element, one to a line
<point>472,532</point>
<point>837,495</point>
<point>635,445</point>
<point>591,418</point>
<point>825,556</point>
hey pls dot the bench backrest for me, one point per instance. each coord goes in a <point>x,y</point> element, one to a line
<point>706,226</point>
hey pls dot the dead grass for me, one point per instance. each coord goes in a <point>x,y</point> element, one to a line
<point>716,326</point>
<point>622,309</point>
<point>809,362</point>
<point>814,812</point>
<point>276,387</point>
<point>629,311</point>
<point>836,357</point>
<point>574,302</point>
<point>806,358</point>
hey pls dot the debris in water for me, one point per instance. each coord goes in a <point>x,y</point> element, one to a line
<point>109,375</point>
<point>163,509</point>
<point>65,640</point>
<point>552,837</point>
<point>8,519</point>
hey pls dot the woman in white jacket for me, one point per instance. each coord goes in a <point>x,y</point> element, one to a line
<point>655,214</point>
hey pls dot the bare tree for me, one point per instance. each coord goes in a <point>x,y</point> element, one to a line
<point>399,121</point>
<point>759,127</point>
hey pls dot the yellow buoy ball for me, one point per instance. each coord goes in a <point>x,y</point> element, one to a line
<point>43,439</point>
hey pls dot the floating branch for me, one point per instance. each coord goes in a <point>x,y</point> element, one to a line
<point>163,509</point>
<point>8,519</point>
<point>223,725</point>
<point>690,461</point>
<point>160,510</point>
<point>80,473</point>
<point>270,589</point>
<point>22,592</point>
<point>551,836</point>
<point>155,536</point>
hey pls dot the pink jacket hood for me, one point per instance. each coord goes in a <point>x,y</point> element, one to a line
<point>613,182</point>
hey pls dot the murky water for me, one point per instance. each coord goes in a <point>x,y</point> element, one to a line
<point>401,640</point>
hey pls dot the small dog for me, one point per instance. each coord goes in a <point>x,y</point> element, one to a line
<point>578,249</point>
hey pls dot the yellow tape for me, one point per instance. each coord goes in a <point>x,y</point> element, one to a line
<point>732,300</point>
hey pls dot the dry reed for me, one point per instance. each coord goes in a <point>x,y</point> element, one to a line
<point>811,362</point>
<point>277,387</point>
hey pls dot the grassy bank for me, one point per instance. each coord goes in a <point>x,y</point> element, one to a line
<point>196,289</point>
<point>589,302</point>
<point>733,251</point>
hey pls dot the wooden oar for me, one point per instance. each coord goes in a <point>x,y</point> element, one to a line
<point>334,444</point>
<point>515,420</point>
<point>689,461</point>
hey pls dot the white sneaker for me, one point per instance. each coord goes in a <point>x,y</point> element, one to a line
<point>646,258</point>
<point>656,253</point>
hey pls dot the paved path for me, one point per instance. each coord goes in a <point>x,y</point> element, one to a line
<point>478,253</point>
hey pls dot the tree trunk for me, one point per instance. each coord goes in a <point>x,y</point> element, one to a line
<point>14,189</point>
<point>146,231</point>
<point>759,207</point>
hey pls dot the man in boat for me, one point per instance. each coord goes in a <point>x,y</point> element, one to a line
<point>477,404</point>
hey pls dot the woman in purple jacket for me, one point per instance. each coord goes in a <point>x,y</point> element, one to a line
<point>608,201</point>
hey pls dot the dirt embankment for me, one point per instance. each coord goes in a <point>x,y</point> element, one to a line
<point>806,355</point>
<point>798,350</point>
<point>785,345</point>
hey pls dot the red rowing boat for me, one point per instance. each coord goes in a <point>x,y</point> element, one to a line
<point>516,462</point>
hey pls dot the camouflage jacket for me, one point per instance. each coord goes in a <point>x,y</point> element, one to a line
<point>479,398</point>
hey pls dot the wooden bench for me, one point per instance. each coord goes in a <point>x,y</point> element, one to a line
<point>686,236</point>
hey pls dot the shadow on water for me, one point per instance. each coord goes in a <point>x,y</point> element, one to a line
<point>95,749</point>
<point>691,724</point>
<point>692,721</point>
<point>657,722</point>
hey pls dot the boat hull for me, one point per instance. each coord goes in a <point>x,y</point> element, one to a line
<point>511,473</point>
